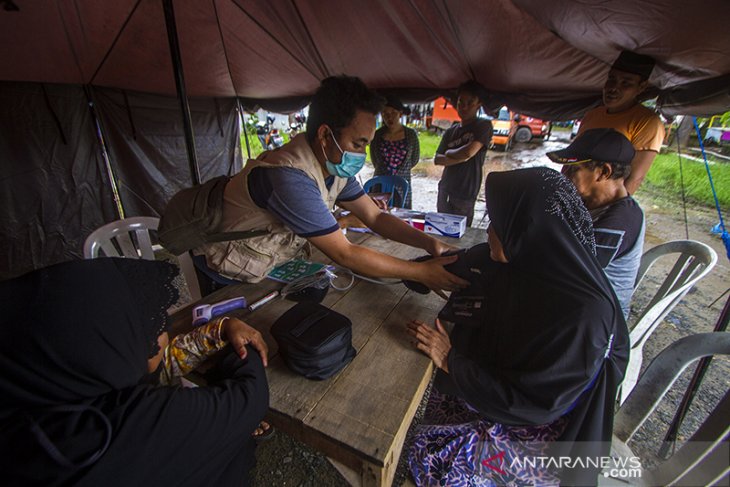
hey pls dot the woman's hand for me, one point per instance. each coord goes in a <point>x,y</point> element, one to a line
<point>239,334</point>
<point>433,342</point>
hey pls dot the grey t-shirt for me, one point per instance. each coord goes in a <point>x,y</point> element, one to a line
<point>464,180</point>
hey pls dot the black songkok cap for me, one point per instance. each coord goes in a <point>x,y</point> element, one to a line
<point>631,62</point>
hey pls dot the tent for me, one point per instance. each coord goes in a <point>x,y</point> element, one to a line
<point>92,124</point>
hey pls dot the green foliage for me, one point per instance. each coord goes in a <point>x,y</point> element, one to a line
<point>664,174</point>
<point>429,143</point>
<point>253,140</point>
<point>725,119</point>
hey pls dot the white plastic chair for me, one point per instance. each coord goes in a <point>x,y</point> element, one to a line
<point>130,238</point>
<point>702,460</point>
<point>694,261</point>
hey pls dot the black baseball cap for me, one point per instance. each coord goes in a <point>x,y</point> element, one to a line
<point>602,145</point>
<point>630,62</point>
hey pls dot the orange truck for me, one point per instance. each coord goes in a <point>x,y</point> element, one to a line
<point>510,127</point>
<point>444,114</point>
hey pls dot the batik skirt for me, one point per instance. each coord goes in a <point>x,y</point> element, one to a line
<point>455,446</point>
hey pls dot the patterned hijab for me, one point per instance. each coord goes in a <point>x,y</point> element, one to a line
<point>80,329</point>
<point>537,210</point>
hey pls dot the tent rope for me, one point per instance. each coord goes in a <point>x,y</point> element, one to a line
<point>724,234</point>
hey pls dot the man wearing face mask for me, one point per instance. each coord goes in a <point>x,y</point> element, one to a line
<point>290,192</point>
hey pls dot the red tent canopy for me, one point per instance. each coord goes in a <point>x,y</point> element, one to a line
<point>91,127</point>
<point>543,58</point>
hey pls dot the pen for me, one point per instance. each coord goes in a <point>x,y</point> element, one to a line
<point>257,304</point>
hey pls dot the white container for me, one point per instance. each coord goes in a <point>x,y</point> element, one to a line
<point>445,224</point>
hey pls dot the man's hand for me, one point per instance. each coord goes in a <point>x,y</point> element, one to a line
<point>438,248</point>
<point>433,342</point>
<point>239,334</point>
<point>459,154</point>
<point>432,274</point>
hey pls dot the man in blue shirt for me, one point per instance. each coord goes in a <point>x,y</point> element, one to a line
<point>290,192</point>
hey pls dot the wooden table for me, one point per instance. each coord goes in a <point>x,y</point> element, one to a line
<point>359,417</point>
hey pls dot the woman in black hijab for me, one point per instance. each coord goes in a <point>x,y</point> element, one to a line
<point>538,349</point>
<point>75,340</point>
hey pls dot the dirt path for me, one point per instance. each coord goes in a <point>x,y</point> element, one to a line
<point>282,461</point>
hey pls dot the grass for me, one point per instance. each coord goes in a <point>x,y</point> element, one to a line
<point>256,147</point>
<point>429,143</point>
<point>665,175</point>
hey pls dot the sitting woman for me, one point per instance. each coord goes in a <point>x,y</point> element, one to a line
<point>77,403</point>
<point>537,352</point>
<point>395,148</point>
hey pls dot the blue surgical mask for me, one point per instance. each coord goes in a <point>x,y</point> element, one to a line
<point>350,165</point>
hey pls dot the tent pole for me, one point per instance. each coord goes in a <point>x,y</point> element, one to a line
<point>243,124</point>
<point>105,155</point>
<point>180,84</point>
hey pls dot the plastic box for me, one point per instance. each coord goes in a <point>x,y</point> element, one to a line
<point>445,224</point>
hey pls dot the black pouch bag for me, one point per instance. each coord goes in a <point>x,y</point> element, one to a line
<point>192,216</point>
<point>313,340</point>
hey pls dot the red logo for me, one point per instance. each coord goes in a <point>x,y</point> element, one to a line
<point>499,457</point>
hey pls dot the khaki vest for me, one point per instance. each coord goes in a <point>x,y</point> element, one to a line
<point>250,260</point>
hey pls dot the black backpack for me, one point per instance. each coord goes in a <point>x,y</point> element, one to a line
<point>313,340</point>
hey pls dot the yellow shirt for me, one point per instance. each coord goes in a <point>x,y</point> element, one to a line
<point>639,124</point>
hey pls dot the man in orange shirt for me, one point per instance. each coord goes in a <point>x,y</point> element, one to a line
<point>621,111</point>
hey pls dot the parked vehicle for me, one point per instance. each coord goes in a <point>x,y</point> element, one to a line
<point>505,128</point>
<point>718,130</point>
<point>530,127</point>
<point>296,123</point>
<point>575,129</point>
<point>510,127</point>
<point>269,137</point>
<point>444,114</point>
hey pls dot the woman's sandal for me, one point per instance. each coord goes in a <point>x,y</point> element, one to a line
<point>267,431</point>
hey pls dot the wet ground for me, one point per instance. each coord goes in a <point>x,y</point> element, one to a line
<point>283,461</point>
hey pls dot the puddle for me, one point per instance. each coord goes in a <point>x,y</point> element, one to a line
<point>424,188</point>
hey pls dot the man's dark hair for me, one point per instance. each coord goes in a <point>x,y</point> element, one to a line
<point>473,88</point>
<point>337,100</point>
<point>618,171</point>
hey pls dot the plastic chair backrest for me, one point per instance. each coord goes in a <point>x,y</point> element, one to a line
<point>130,238</point>
<point>695,462</point>
<point>389,184</point>
<point>694,261</point>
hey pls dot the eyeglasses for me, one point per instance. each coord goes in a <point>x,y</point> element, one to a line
<point>575,163</point>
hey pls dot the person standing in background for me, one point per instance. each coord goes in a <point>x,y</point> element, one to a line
<point>462,151</point>
<point>395,149</point>
<point>621,111</point>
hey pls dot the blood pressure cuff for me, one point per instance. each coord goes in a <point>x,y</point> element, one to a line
<point>313,340</point>
<point>467,306</point>
<point>422,288</point>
